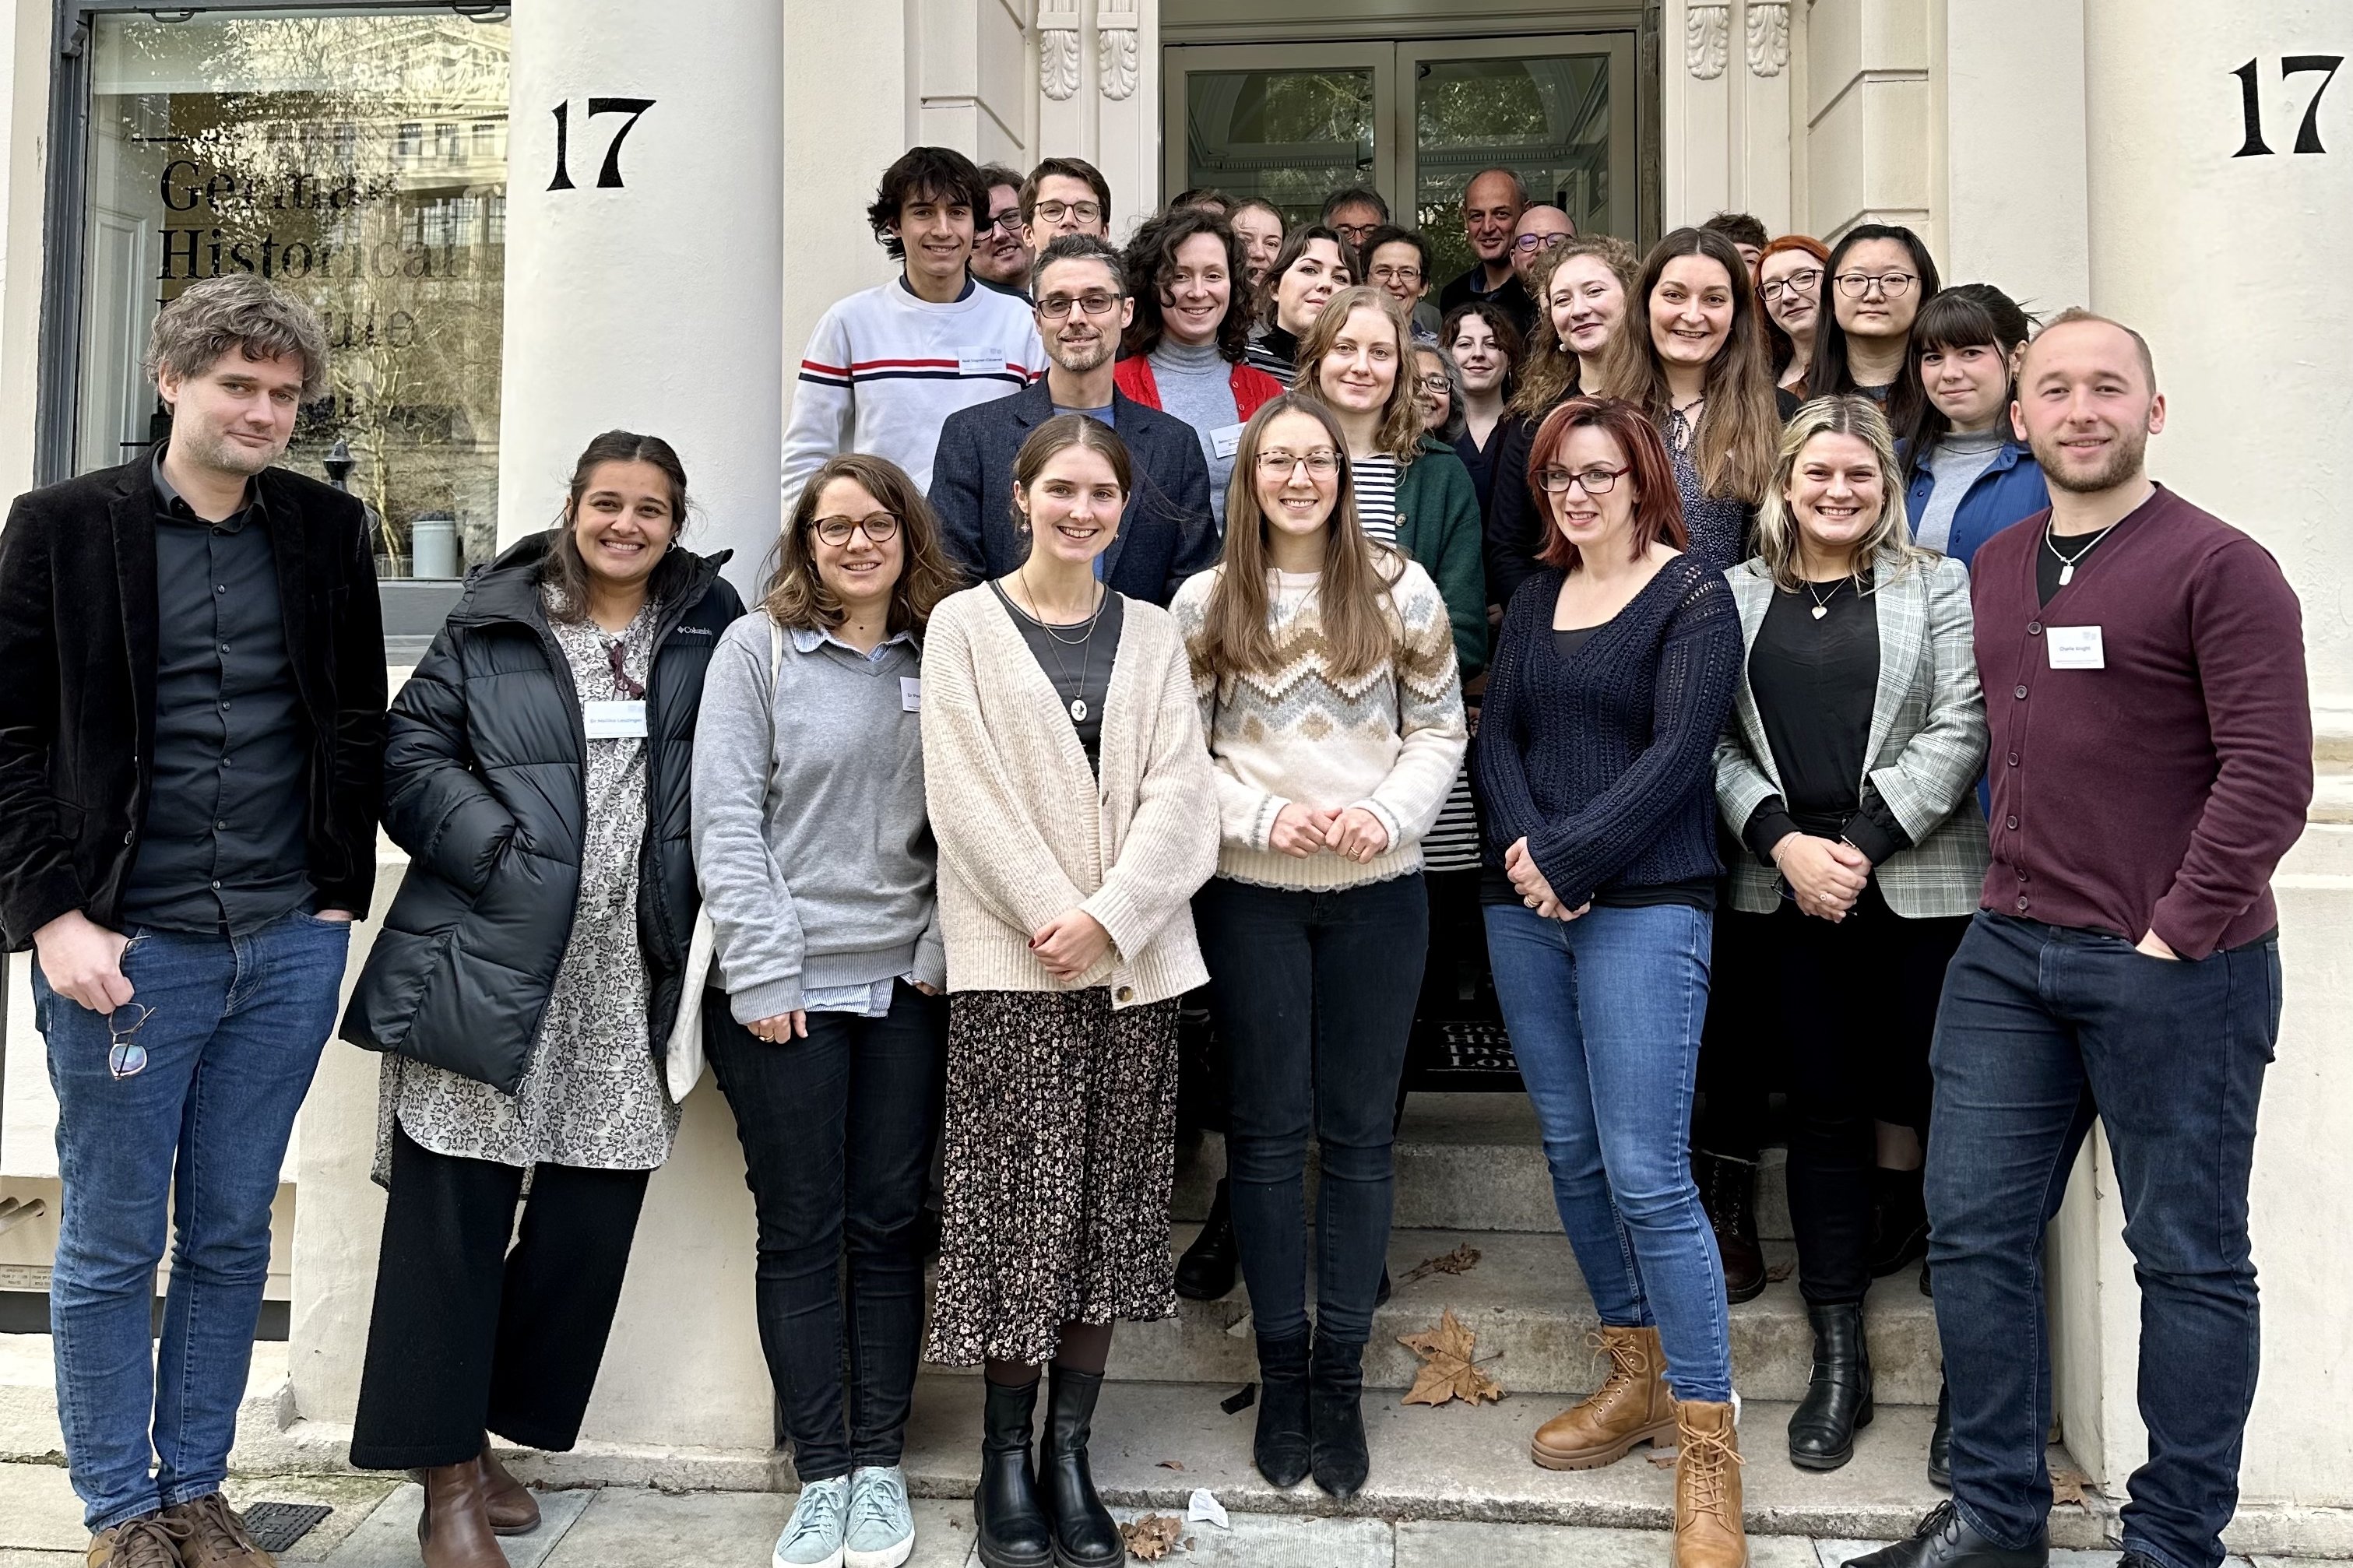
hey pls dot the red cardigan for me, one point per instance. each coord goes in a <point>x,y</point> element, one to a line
<point>1253,388</point>
<point>2159,792</point>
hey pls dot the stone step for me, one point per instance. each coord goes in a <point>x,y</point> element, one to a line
<point>1465,1162</point>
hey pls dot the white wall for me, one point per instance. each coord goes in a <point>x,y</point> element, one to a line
<point>2013,209</point>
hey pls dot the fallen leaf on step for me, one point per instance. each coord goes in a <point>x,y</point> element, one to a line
<point>1461,1260</point>
<point>2067,1485</point>
<point>1172,1464</point>
<point>1150,1538</point>
<point>1663,1457</point>
<point>1776,1272</point>
<point>1447,1369</point>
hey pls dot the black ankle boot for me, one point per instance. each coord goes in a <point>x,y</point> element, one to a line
<point>1903,1221</point>
<point>1838,1400</point>
<point>1281,1448</point>
<point>1005,1508</point>
<point>1335,1400</point>
<point>1727,1193</point>
<point>1205,1272</point>
<point>1084,1534</point>
<point>1940,1441</point>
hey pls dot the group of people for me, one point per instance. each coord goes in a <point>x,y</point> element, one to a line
<point>1698,630</point>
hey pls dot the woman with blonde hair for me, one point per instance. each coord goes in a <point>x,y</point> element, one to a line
<point>1848,767</point>
<point>815,854</point>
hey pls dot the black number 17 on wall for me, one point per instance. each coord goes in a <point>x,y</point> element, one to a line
<point>609,178</point>
<point>2307,136</point>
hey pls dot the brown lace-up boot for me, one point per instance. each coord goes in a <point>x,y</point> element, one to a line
<point>1708,1532</point>
<point>150,1541</point>
<point>1631,1406</point>
<point>215,1536</point>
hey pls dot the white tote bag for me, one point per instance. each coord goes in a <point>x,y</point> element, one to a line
<point>682,1064</point>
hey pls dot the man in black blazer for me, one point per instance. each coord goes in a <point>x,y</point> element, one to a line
<point>191,745</point>
<point>1168,533</point>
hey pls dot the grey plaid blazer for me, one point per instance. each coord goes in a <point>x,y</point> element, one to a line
<point>1927,739</point>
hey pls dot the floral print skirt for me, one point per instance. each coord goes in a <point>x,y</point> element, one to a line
<point>1061,1147</point>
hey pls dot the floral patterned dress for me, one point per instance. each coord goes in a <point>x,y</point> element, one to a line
<point>592,1096</point>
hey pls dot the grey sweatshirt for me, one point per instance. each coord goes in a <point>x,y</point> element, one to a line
<point>1197,386</point>
<point>811,836</point>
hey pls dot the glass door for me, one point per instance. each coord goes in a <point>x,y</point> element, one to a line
<point>1287,123</point>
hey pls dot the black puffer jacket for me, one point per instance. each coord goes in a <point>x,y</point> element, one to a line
<point>484,788</point>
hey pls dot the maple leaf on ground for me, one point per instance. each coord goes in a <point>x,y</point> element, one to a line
<point>1447,1369</point>
<point>1150,1538</point>
<point>1461,1260</point>
<point>2068,1485</point>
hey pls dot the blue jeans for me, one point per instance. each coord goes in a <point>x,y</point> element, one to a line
<point>2040,1024</point>
<point>1604,1013</point>
<point>200,1134</point>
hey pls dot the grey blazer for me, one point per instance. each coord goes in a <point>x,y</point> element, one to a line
<point>1927,742</point>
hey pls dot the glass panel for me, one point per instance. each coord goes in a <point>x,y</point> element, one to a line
<point>1293,137</point>
<point>1547,117</point>
<point>358,161</point>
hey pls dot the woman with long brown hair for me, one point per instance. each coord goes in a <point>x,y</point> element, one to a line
<point>816,857</point>
<point>1325,668</point>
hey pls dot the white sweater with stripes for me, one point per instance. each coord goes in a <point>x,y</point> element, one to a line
<point>883,368</point>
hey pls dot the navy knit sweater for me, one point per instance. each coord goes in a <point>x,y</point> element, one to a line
<point>1605,761</point>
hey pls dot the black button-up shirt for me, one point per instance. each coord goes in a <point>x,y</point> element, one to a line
<point>223,844</point>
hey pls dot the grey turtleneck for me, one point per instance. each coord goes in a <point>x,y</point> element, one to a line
<point>1197,386</point>
<point>1955,463</point>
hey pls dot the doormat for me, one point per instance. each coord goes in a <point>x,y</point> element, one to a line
<point>276,1526</point>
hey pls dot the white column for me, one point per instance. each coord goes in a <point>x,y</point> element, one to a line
<point>642,291</point>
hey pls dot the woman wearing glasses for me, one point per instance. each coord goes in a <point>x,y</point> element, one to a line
<point>1849,770</point>
<point>1876,279</point>
<point>816,863</point>
<point>1613,674</point>
<point>1790,282</point>
<point>526,980</point>
<point>1324,664</point>
<point>1071,795</point>
<point>1314,264</point>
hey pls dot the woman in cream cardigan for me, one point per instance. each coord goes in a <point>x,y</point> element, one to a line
<point>1071,796</point>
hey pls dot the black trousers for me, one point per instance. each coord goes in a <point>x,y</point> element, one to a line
<point>1857,1000</point>
<point>470,1336</point>
<point>1742,1051</point>
<point>838,1131</point>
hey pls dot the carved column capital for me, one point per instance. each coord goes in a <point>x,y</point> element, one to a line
<point>1707,38</point>
<point>1768,36</point>
<point>1116,47</point>
<point>1057,49</point>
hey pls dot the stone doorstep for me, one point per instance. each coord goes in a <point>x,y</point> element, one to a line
<point>28,1399</point>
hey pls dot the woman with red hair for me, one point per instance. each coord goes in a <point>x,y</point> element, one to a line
<point>1609,688</point>
<point>1790,286</point>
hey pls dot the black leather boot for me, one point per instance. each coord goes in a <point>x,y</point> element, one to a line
<point>1727,1191</point>
<point>1943,1540</point>
<point>1940,1442</point>
<point>1901,1213</point>
<point>1004,1509</point>
<point>1206,1271</point>
<point>1283,1446</point>
<point>1335,1400</point>
<point>1837,1399</point>
<point>1084,1533</point>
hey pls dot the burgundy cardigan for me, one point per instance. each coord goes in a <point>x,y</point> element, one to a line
<point>2157,792</point>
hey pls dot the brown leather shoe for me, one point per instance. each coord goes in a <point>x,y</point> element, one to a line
<point>1727,1192</point>
<point>512,1510</point>
<point>454,1530</point>
<point>215,1536</point>
<point>150,1541</point>
<point>1631,1406</point>
<point>1708,1533</point>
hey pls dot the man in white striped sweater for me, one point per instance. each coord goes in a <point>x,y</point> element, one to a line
<point>886,364</point>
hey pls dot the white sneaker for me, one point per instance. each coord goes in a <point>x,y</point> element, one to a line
<point>813,1536</point>
<point>882,1525</point>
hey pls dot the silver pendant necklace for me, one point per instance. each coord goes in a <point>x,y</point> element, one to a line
<point>1086,639</point>
<point>2067,561</point>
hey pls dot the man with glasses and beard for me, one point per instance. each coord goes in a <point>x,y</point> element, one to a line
<point>1000,255</point>
<point>1166,532</point>
<point>2151,762</point>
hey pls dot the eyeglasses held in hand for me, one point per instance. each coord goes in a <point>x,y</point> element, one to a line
<point>1597,481</point>
<point>1527,244</point>
<point>126,1058</point>
<point>1054,307</point>
<point>1321,463</point>
<point>879,527</point>
<point>1054,212</point>
<point>1892,285</point>
<point>1794,283</point>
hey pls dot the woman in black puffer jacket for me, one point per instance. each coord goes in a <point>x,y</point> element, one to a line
<point>524,984</point>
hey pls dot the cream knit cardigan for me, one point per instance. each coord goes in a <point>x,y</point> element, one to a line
<point>1025,831</point>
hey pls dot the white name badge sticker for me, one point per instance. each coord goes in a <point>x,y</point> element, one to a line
<point>614,721</point>
<point>974,362</point>
<point>911,694</point>
<point>1228,441</point>
<point>2076,648</point>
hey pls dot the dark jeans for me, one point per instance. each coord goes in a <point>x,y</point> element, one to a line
<point>1314,995</point>
<point>838,1131</point>
<point>2040,1025</point>
<point>1857,1000</point>
<point>469,1335</point>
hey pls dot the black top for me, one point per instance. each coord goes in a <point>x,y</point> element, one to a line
<point>2047,563</point>
<point>1511,294</point>
<point>223,845</point>
<point>1079,670</point>
<point>1481,461</point>
<point>1816,680</point>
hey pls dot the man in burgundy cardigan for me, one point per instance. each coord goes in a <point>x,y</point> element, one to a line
<point>2151,761</point>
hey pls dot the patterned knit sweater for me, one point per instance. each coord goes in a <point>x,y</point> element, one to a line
<point>1605,761</point>
<point>1389,742</point>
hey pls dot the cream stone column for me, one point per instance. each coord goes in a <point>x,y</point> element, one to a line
<point>1869,137</point>
<point>1729,83</point>
<point>1098,76</point>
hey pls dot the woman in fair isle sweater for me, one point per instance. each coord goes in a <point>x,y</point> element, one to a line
<point>1325,668</point>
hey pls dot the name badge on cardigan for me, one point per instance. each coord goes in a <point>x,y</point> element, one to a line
<point>1226,440</point>
<point>2076,648</point>
<point>614,720</point>
<point>911,693</point>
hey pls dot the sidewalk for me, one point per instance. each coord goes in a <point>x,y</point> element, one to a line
<point>375,1526</point>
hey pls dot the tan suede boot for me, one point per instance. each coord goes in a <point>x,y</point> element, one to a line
<point>1708,1532</point>
<point>1631,1406</point>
